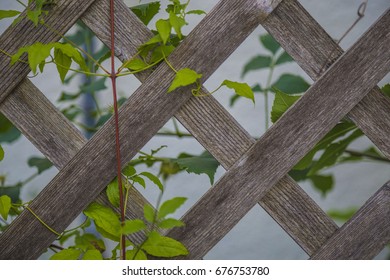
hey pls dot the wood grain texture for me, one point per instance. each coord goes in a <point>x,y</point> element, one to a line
<point>224,138</point>
<point>149,108</point>
<point>365,234</point>
<point>281,147</point>
<point>314,50</point>
<point>61,18</point>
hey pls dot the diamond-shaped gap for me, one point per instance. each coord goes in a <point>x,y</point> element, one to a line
<point>256,236</point>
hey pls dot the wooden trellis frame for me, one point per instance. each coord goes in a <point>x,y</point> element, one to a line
<point>256,171</point>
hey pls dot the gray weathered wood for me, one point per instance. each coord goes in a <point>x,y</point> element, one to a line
<point>281,147</point>
<point>148,109</point>
<point>363,236</point>
<point>314,50</point>
<point>61,18</point>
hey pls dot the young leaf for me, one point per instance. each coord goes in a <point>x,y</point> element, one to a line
<point>133,226</point>
<point>154,179</point>
<point>129,170</point>
<point>177,23</point>
<point>160,52</point>
<point>196,12</point>
<point>184,77</point>
<point>67,254</point>
<point>34,15</point>
<point>112,192</point>
<point>203,164</point>
<point>8,14</point>
<point>63,63</point>
<point>41,164</point>
<point>139,180</point>
<point>37,53</point>
<point>281,104</point>
<point>170,206</point>
<point>5,206</point>
<point>149,213</point>
<point>92,255</point>
<point>104,218</point>
<point>73,53</point>
<point>1,153</point>
<point>257,62</point>
<point>283,58</point>
<point>162,246</point>
<point>164,29</point>
<point>324,183</point>
<point>241,89</point>
<point>89,241</point>
<point>131,255</point>
<point>135,64</point>
<point>291,84</point>
<point>170,223</point>
<point>269,43</point>
<point>146,12</point>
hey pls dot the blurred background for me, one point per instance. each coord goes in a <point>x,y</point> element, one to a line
<point>353,183</point>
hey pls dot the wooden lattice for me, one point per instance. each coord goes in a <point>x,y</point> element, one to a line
<point>256,170</point>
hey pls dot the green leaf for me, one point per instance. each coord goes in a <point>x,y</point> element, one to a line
<point>37,53</point>
<point>8,132</point>
<point>68,96</point>
<point>73,53</point>
<point>256,63</point>
<point>129,170</point>
<point>8,14</point>
<point>196,12</point>
<point>89,241</point>
<point>131,255</point>
<point>92,255</point>
<point>170,206</point>
<point>149,213</point>
<point>112,192</point>
<point>1,153</point>
<point>135,64</point>
<point>133,226</point>
<point>177,23</point>
<point>323,183</point>
<point>146,12</point>
<point>104,218</point>
<point>269,43</point>
<point>154,179</point>
<point>184,77</point>
<point>12,191</point>
<point>63,63</point>
<point>241,89</point>
<point>41,164</point>
<point>34,15</point>
<point>281,104</point>
<point>164,29</point>
<point>160,52</point>
<point>170,223</point>
<point>291,84</point>
<point>5,206</point>
<point>386,90</point>
<point>343,214</point>
<point>139,180</point>
<point>203,164</point>
<point>162,246</point>
<point>283,58</point>
<point>67,254</point>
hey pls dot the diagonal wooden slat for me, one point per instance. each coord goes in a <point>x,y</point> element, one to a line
<point>323,105</point>
<point>61,19</point>
<point>365,234</point>
<point>79,182</point>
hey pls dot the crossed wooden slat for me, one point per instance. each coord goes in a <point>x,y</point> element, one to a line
<point>283,201</point>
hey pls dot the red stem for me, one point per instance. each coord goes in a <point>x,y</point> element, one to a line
<point>117,143</point>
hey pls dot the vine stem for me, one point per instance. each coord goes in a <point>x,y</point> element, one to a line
<point>116,117</point>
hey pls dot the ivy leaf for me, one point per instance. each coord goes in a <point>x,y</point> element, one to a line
<point>324,183</point>
<point>283,58</point>
<point>133,226</point>
<point>184,77</point>
<point>291,84</point>
<point>177,23</point>
<point>154,179</point>
<point>67,254</point>
<point>63,63</point>
<point>241,89</point>
<point>131,255</point>
<point>1,153</point>
<point>386,90</point>
<point>196,12</point>
<point>256,63</point>
<point>8,14</point>
<point>164,29</point>
<point>146,12</point>
<point>135,64</point>
<point>104,217</point>
<point>5,206</point>
<point>149,213</point>
<point>162,246</point>
<point>41,164</point>
<point>92,255</point>
<point>170,223</point>
<point>170,206</point>
<point>281,104</point>
<point>8,132</point>
<point>269,43</point>
<point>203,164</point>
<point>112,192</point>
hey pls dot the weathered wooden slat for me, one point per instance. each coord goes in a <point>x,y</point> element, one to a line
<point>323,105</point>
<point>314,50</point>
<point>61,18</point>
<point>149,108</point>
<point>223,137</point>
<point>365,234</point>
